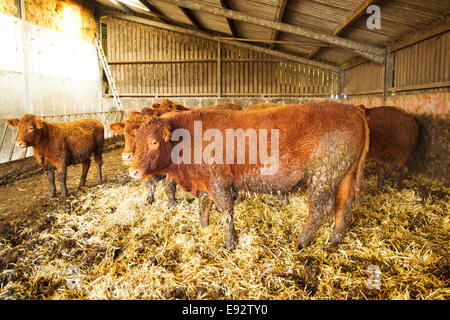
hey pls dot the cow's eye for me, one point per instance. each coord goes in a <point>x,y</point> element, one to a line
<point>153,145</point>
<point>30,129</point>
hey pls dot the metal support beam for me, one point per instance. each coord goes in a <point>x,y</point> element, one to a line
<point>348,22</point>
<point>287,56</point>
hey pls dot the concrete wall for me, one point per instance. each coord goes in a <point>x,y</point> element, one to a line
<point>431,110</point>
<point>44,72</point>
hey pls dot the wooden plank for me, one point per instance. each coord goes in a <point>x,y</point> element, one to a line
<point>433,85</point>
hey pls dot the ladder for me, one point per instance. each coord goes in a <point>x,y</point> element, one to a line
<point>105,66</point>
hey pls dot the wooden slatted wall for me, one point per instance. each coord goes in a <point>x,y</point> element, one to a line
<point>426,62</point>
<point>422,65</point>
<point>147,61</point>
<point>366,78</point>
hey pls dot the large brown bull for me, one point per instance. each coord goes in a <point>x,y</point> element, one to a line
<point>393,136</point>
<point>58,145</point>
<point>323,144</point>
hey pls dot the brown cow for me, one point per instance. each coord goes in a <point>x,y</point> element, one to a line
<point>58,145</point>
<point>393,136</point>
<point>323,144</point>
<point>129,129</point>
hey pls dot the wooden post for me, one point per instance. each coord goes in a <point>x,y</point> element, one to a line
<point>388,74</point>
<point>219,70</point>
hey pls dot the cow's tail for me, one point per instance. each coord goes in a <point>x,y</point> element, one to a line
<point>362,158</point>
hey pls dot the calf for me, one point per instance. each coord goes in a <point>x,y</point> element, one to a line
<point>393,136</point>
<point>58,145</point>
<point>323,144</point>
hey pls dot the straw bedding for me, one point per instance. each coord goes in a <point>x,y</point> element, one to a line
<point>106,242</point>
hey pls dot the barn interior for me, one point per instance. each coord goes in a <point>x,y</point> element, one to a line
<point>104,241</point>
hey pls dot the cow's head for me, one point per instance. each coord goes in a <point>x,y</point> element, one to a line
<point>30,130</point>
<point>153,148</point>
<point>128,128</point>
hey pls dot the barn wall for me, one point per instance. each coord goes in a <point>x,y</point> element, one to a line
<point>44,72</point>
<point>151,62</point>
<point>420,85</point>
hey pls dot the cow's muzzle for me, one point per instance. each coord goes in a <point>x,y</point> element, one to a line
<point>127,156</point>
<point>135,174</point>
<point>21,144</point>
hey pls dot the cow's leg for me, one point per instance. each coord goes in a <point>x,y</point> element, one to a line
<point>171,189</point>
<point>381,175</point>
<point>51,179</point>
<point>99,161</point>
<point>223,198</point>
<point>151,187</point>
<point>283,198</point>
<point>342,215</point>
<point>86,164</point>
<point>321,205</point>
<point>204,209</point>
<point>62,176</point>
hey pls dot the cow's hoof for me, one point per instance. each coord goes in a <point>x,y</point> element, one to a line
<point>337,238</point>
<point>172,204</point>
<point>204,222</point>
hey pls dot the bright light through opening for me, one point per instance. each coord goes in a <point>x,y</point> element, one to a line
<point>132,3</point>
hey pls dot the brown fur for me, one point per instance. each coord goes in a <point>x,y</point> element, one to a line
<point>129,128</point>
<point>393,136</point>
<point>323,144</point>
<point>58,145</point>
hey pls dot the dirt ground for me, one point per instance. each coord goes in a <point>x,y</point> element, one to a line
<point>105,242</point>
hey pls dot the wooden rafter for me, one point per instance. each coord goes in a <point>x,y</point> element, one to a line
<point>371,52</point>
<point>230,22</point>
<point>188,14</point>
<point>279,18</point>
<point>348,22</point>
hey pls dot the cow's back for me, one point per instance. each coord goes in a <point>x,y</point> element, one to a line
<point>82,138</point>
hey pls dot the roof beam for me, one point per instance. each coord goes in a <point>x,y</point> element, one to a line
<point>348,22</point>
<point>279,18</point>
<point>188,14</point>
<point>155,11</point>
<point>328,67</point>
<point>299,43</point>
<point>231,26</point>
<point>369,51</point>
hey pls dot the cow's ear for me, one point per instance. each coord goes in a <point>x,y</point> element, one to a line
<point>117,127</point>
<point>13,122</point>
<point>166,133</point>
<point>39,124</point>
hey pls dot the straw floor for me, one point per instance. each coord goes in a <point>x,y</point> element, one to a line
<point>106,242</point>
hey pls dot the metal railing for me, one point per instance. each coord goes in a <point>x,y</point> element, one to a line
<point>9,134</point>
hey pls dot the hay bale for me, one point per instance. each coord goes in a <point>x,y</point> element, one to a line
<point>8,7</point>
<point>75,18</point>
